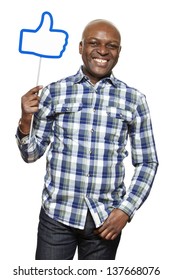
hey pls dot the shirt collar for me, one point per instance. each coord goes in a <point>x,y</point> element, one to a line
<point>80,76</point>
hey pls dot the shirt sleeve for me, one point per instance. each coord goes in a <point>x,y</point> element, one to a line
<point>144,159</point>
<point>33,148</point>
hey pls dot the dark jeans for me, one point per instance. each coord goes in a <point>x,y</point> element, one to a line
<point>57,241</point>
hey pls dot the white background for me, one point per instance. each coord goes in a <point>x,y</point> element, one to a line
<point>145,63</point>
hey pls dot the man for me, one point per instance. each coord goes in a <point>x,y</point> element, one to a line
<point>86,120</point>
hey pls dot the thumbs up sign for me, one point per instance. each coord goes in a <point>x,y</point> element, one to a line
<point>44,41</point>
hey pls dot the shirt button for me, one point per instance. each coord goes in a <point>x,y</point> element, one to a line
<point>92,130</point>
<point>87,174</point>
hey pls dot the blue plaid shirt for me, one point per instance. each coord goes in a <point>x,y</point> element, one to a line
<point>87,127</point>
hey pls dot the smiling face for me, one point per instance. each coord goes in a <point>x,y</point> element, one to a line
<point>100,48</point>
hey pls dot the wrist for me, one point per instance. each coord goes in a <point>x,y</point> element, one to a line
<point>24,127</point>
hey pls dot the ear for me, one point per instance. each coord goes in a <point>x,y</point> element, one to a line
<point>120,49</point>
<point>80,47</point>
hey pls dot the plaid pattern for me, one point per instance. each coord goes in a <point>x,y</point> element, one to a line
<point>87,128</point>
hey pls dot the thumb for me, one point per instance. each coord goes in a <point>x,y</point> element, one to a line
<point>46,20</point>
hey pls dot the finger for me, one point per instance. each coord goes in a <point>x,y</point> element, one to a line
<point>34,90</point>
<point>114,236</point>
<point>103,234</point>
<point>37,88</point>
<point>100,229</point>
<point>27,99</point>
<point>30,106</point>
<point>109,235</point>
<point>31,110</point>
<point>33,103</point>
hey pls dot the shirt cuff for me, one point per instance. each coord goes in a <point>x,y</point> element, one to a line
<point>22,141</point>
<point>128,208</point>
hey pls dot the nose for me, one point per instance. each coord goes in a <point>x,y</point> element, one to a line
<point>102,49</point>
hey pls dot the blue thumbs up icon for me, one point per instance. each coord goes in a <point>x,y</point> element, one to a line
<point>44,41</point>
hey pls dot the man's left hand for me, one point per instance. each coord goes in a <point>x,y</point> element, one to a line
<point>113,225</point>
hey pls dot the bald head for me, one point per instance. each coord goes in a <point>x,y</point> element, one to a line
<point>103,25</point>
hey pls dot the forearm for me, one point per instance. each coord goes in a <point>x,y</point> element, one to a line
<point>140,187</point>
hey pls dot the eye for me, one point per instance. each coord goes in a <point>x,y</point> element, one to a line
<point>93,43</point>
<point>113,46</point>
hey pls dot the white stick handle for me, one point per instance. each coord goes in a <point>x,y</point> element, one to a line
<point>32,119</point>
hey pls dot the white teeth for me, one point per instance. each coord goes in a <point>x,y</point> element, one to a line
<point>100,60</point>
